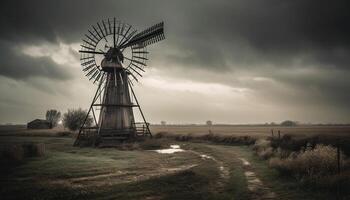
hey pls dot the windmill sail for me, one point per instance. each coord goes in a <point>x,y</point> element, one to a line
<point>149,36</point>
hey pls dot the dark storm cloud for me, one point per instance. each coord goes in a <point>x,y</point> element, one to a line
<point>66,20</point>
<point>38,22</point>
<point>17,65</point>
<point>276,31</point>
<point>271,28</point>
<point>275,39</point>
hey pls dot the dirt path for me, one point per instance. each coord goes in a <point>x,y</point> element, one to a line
<point>224,173</point>
<point>118,177</point>
<point>255,185</point>
<point>224,156</point>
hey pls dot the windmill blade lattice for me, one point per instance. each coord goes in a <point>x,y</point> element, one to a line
<point>109,34</point>
<point>149,36</point>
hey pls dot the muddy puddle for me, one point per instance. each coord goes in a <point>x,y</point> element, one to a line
<point>173,149</point>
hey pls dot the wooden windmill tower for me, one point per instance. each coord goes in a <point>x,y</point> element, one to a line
<point>114,55</point>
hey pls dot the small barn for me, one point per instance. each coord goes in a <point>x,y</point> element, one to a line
<point>39,124</point>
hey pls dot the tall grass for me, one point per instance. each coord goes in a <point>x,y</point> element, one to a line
<point>209,137</point>
<point>317,166</point>
<point>312,163</point>
<point>263,149</point>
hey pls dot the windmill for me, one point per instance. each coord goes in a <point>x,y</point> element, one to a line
<point>114,55</point>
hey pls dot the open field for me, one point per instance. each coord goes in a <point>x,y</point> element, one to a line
<point>254,131</point>
<point>248,134</point>
<point>202,171</point>
<point>198,130</point>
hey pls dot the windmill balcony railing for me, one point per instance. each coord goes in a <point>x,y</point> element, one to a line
<point>88,132</point>
<point>141,128</point>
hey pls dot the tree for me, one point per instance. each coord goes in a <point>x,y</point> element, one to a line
<point>53,116</point>
<point>288,123</point>
<point>73,119</point>
<point>209,123</point>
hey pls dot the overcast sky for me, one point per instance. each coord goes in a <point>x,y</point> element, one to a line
<point>231,61</point>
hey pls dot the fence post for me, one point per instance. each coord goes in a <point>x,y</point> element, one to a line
<point>272,133</point>
<point>279,134</point>
<point>279,139</point>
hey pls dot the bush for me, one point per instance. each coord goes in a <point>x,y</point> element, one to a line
<point>287,142</point>
<point>311,164</point>
<point>266,153</point>
<point>263,149</point>
<point>281,165</point>
<point>210,137</point>
<point>288,123</point>
<point>261,143</point>
<point>74,119</point>
<point>282,153</point>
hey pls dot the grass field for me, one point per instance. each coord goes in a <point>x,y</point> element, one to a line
<point>247,134</point>
<point>257,131</point>
<point>254,131</point>
<point>203,171</point>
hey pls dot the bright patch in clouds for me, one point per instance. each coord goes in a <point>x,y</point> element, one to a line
<point>62,54</point>
<point>191,86</point>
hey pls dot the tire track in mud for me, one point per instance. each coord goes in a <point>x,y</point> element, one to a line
<point>258,190</point>
<point>118,177</point>
<point>224,173</point>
